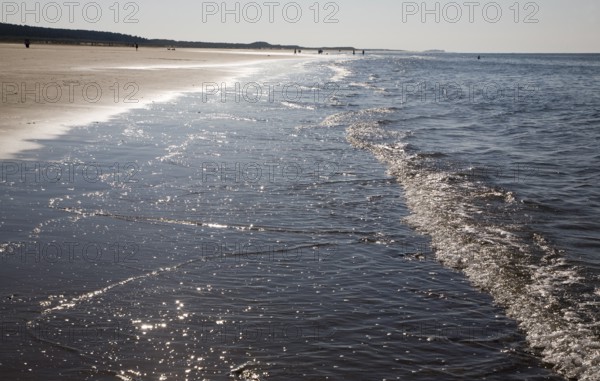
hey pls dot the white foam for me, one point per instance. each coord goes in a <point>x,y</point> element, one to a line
<point>533,281</point>
<point>340,73</point>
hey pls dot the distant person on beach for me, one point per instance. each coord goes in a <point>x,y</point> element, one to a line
<point>27,43</point>
<point>136,47</point>
<point>363,52</point>
<point>478,57</point>
<point>320,51</point>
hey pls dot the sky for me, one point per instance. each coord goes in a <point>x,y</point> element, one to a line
<point>543,26</point>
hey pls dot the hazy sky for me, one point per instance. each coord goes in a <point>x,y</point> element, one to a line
<point>462,26</point>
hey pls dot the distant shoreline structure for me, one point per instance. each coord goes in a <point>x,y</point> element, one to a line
<point>12,33</point>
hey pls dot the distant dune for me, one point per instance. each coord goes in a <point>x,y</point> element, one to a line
<point>18,33</point>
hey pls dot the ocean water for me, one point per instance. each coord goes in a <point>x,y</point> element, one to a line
<point>397,216</point>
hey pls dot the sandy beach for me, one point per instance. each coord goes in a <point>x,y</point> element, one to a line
<point>47,89</point>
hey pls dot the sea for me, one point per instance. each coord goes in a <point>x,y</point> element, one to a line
<point>392,216</point>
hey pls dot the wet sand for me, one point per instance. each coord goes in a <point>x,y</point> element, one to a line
<point>47,89</point>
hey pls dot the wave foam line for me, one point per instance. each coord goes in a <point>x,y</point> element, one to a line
<point>468,223</point>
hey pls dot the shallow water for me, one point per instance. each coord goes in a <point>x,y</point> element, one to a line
<point>357,224</point>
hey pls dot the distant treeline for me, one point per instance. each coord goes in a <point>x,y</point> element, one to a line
<point>18,33</point>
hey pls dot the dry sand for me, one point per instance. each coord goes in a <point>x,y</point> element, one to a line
<point>47,89</point>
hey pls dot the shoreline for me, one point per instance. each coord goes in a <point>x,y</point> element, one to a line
<point>47,90</point>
